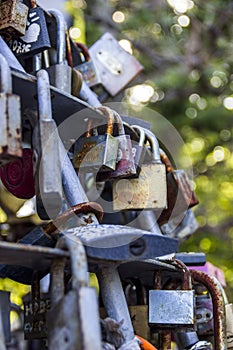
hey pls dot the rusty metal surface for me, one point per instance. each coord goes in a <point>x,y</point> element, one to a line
<point>215,290</point>
<point>34,257</point>
<point>13,17</point>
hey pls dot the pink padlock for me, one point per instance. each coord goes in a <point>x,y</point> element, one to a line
<point>17,176</point>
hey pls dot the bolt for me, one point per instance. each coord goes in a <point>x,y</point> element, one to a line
<point>137,247</point>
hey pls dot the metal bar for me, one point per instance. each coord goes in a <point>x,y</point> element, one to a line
<point>213,287</point>
<point>114,299</point>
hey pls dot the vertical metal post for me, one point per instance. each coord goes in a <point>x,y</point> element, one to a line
<point>114,299</point>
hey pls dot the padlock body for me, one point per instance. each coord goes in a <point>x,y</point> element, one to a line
<point>60,76</point>
<point>148,191</point>
<point>171,308</point>
<point>13,15</point>
<point>116,67</point>
<point>180,195</point>
<point>36,38</point>
<point>35,311</point>
<point>10,137</point>
<point>89,73</point>
<point>96,153</point>
<point>229,325</point>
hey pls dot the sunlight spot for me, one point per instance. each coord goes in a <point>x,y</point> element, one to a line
<point>197,144</point>
<point>225,134</point>
<point>118,17</point>
<point>75,33</point>
<point>176,29</point>
<point>127,46</point>
<point>216,82</point>
<point>205,244</point>
<point>184,21</point>
<point>191,113</point>
<point>228,102</point>
<point>193,98</point>
<point>219,154</point>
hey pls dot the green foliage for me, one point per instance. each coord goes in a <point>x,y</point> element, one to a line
<point>191,67</point>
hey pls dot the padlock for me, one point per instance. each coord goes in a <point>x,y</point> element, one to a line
<point>10,117</point>
<point>149,190</point>
<point>180,195</point>
<point>179,312</point>
<point>139,149</point>
<point>87,68</point>
<point>98,152</point>
<point>35,311</point>
<point>36,38</point>
<point>124,164</point>
<point>13,14</point>
<point>204,315</point>
<point>17,176</point>
<point>73,320</point>
<point>60,73</point>
<point>116,66</point>
<point>48,169</point>
<point>229,325</point>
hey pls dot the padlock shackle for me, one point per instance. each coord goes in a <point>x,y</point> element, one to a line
<point>81,208</point>
<point>61,35</point>
<point>6,78</point>
<point>43,93</point>
<point>154,146</point>
<point>110,118</point>
<point>84,51</point>
<point>119,122</point>
<point>166,161</point>
<point>142,135</point>
<point>79,267</point>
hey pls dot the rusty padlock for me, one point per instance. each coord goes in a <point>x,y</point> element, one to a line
<point>10,117</point>
<point>13,14</point>
<point>73,321</point>
<point>35,312</point>
<point>17,176</point>
<point>180,195</point>
<point>149,190</point>
<point>93,153</point>
<point>124,164</point>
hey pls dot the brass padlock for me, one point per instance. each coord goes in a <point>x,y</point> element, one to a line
<point>125,164</point>
<point>10,117</point>
<point>95,153</point>
<point>13,14</point>
<point>36,38</point>
<point>149,190</point>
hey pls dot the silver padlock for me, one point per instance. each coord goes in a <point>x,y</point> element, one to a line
<point>10,117</point>
<point>48,175</point>
<point>73,321</point>
<point>60,74</point>
<point>229,324</point>
<point>180,310</point>
<point>116,66</point>
<point>149,190</point>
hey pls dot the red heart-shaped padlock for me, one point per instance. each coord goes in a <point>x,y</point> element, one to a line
<point>17,176</point>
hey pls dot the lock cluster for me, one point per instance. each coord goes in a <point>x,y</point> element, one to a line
<point>107,200</point>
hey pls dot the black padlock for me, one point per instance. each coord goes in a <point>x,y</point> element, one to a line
<point>36,38</point>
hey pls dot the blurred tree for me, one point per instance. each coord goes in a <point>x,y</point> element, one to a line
<point>186,49</point>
